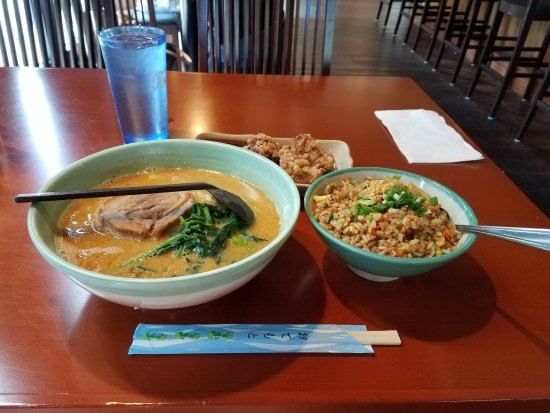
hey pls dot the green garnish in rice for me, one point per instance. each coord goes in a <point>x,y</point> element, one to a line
<point>396,197</point>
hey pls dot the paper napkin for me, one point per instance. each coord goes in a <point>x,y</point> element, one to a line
<point>423,136</point>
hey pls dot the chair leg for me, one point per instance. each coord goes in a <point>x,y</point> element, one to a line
<point>411,21</point>
<point>446,36</point>
<point>459,62</point>
<point>388,13</point>
<point>437,27</point>
<point>422,22</point>
<point>539,62</point>
<point>486,53</point>
<point>545,84</point>
<point>511,70</point>
<point>379,10</point>
<point>439,55</point>
<point>466,41</point>
<point>529,89</point>
<point>467,16</point>
<point>488,12</point>
<point>473,85</point>
<point>485,24</point>
<point>477,56</point>
<point>398,22</point>
<point>526,122</point>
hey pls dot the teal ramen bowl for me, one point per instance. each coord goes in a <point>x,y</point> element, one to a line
<point>179,291</point>
<point>378,267</point>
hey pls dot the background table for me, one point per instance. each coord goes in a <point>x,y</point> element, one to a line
<point>475,333</point>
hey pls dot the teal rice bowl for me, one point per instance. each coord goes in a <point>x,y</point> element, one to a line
<point>178,291</point>
<point>376,266</point>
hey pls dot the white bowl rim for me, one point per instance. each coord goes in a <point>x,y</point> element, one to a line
<point>52,257</point>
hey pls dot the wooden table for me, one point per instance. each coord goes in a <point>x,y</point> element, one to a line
<point>475,333</point>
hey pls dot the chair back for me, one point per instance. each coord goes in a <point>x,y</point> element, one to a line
<point>50,33</point>
<point>266,37</point>
<point>520,8</point>
<point>165,15</point>
<point>63,33</point>
<point>131,12</point>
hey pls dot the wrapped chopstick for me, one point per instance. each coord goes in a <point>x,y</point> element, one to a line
<point>258,338</point>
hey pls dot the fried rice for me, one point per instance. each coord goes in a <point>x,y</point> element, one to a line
<point>387,217</point>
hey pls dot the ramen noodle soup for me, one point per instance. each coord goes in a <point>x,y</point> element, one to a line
<point>164,235</point>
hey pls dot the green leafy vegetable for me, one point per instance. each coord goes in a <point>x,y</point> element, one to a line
<point>251,237</point>
<point>397,197</point>
<point>239,240</point>
<point>379,208</point>
<point>361,209</point>
<point>434,201</point>
<point>244,239</point>
<point>366,201</point>
<point>204,233</point>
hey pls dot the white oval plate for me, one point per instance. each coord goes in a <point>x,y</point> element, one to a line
<point>338,149</point>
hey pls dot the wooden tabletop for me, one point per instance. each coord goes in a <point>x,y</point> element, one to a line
<point>475,333</point>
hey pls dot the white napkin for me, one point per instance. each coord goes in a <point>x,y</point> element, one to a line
<point>423,136</point>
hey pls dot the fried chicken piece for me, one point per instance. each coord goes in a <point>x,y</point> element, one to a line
<point>264,145</point>
<point>304,161</point>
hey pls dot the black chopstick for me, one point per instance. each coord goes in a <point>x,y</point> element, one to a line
<point>104,192</point>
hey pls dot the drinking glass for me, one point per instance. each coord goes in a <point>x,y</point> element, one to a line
<point>135,58</point>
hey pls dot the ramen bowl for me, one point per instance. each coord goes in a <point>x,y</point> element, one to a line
<point>377,267</point>
<point>176,291</point>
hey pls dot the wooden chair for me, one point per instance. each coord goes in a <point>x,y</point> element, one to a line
<point>64,33</point>
<point>147,13</point>
<point>50,33</point>
<point>498,48</point>
<point>461,36</point>
<point>410,9</point>
<point>537,103</point>
<point>435,18</point>
<point>266,37</point>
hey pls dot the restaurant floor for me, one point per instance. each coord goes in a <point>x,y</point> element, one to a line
<point>363,47</point>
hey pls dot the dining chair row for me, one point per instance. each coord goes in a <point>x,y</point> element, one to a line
<point>474,29</point>
<point>228,36</point>
<point>63,33</point>
<point>266,37</point>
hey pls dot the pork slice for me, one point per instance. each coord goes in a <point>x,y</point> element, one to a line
<point>143,216</point>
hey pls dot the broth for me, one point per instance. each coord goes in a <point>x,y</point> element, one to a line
<point>81,241</point>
